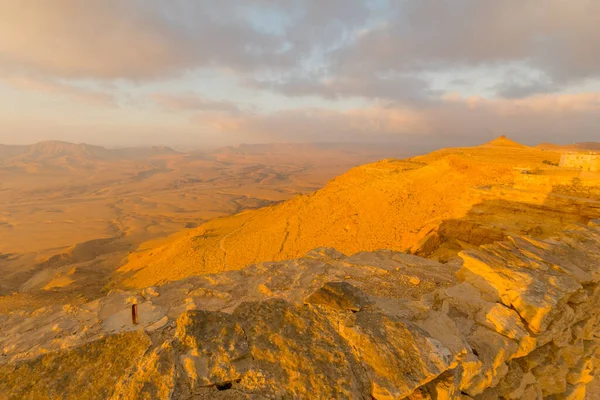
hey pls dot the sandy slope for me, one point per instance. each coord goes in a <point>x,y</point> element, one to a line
<point>390,204</point>
<point>70,213</point>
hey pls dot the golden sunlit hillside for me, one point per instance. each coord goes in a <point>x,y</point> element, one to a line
<point>70,213</point>
<point>434,205</point>
<point>503,276</point>
<point>308,199</point>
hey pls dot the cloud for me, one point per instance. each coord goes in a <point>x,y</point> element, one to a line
<point>453,120</point>
<point>399,57</point>
<point>373,49</point>
<point>554,40</point>
<point>405,88</point>
<point>314,124</point>
<point>135,40</point>
<point>74,39</point>
<point>560,118</point>
<point>515,88</point>
<point>191,102</point>
<point>140,40</point>
<point>77,93</point>
<point>557,38</point>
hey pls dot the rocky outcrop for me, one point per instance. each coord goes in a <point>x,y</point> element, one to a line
<point>516,319</point>
<point>536,205</point>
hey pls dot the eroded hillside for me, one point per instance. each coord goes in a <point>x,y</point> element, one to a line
<point>434,205</point>
<point>498,300</point>
<point>70,213</point>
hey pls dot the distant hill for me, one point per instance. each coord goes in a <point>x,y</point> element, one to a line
<point>50,151</point>
<point>308,150</point>
<point>143,152</point>
<point>583,146</point>
<point>503,141</point>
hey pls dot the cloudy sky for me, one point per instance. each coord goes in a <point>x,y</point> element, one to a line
<point>197,72</point>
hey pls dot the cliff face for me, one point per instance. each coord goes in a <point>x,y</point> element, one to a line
<point>584,162</point>
<point>515,319</point>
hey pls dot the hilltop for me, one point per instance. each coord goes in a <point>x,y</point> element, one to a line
<point>433,205</point>
<point>503,141</point>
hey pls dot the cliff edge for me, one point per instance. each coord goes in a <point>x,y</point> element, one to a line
<point>514,319</point>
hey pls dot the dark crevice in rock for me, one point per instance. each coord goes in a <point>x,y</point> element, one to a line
<point>224,385</point>
<point>523,320</point>
<point>246,339</point>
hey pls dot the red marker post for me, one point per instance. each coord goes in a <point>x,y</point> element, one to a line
<point>134,314</point>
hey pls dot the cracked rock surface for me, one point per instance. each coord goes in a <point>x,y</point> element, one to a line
<point>516,319</point>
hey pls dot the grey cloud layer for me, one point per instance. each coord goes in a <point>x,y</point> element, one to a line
<point>386,52</point>
<point>136,39</point>
<point>555,37</point>
<point>563,119</point>
<point>191,102</point>
<point>330,48</point>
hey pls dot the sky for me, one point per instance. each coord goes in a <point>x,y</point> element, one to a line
<point>212,72</point>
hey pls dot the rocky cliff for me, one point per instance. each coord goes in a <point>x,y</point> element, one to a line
<point>516,319</point>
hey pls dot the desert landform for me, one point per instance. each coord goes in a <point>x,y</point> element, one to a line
<point>69,213</point>
<point>466,273</point>
<point>299,200</point>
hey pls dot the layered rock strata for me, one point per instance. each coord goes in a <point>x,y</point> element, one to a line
<point>516,319</point>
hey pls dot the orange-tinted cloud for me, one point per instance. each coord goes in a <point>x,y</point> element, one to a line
<point>331,48</point>
<point>315,124</point>
<point>135,40</point>
<point>80,94</point>
<point>70,38</point>
<point>536,118</point>
<point>191,102</point>
<point>398,57</point>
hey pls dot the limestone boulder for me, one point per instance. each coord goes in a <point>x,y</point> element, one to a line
<point>214,347</point>
<point>297,351</point>
<point>532,290</point>
<point>89,372</point>
<point>398,356</point>
<point>493,351</point>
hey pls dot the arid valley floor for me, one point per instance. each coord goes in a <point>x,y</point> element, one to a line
<point>70,213</point>
<point>298,271</point>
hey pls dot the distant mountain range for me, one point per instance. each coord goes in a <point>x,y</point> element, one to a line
<point>583,146</point>
<point>60,153</point>
<point>48,150</point>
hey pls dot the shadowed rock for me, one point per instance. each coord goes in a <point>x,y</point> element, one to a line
<point>217,348</point>
<point>341,296</point>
